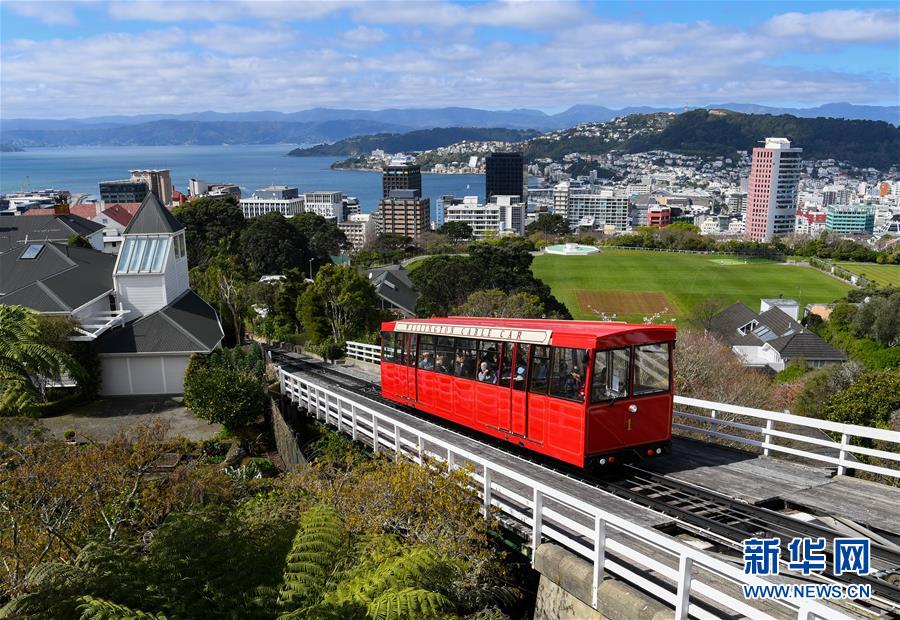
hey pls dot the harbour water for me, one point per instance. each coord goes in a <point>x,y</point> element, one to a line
<point>80,169</point>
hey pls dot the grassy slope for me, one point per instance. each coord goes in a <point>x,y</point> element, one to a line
<point>687,279</point>
<point>883,275</point>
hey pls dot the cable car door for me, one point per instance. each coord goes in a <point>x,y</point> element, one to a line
<point>409,366</point>
<point>518,393</point>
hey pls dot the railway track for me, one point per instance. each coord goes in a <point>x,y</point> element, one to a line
<point>714,517</point>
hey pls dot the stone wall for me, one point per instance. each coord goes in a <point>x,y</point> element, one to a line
<point>286,440</point>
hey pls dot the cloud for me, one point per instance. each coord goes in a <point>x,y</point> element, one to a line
<point>52,13</point>
<point>364,36</point>
<point>221,11</point>
<point>838,26</point>
<point>437,51</point>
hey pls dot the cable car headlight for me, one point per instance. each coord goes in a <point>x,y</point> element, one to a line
<point>632,408</point>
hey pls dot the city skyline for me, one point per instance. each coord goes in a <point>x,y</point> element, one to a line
<point>76,59</point>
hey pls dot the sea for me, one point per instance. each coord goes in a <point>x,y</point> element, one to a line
<point>79,169</point>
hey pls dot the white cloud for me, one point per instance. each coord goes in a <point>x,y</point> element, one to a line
<point>221,11</point>
<point>239,41</point>
<point>838,26</point>
<point>52,13</point>
<point>364,36</point>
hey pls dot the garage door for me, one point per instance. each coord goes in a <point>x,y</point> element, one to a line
<point>143,375</point>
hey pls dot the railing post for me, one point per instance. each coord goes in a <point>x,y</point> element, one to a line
<point>768,438</point>
<point>487,492</point>
<point>842,454</point>
<point>599,558</point>
<point>353,421</point>
<point>537,508</point>
<point>713,414</point>
<point>683,598</point>
<point>450,460</point>
<point>374,434</point>
<point>340,414</point>
<point>421,450</point>
<point>397,452</point>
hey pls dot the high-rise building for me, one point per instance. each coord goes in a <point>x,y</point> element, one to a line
<point>504,175</point>
<point>159,182</point>
<point>401,173</point>
<point>503,215</point>
<point>285,200</point>
<point>359,228</point>
<point>124,191</point>
<point>772,189</point>
<point>850,219</point>
<point>404,212</point>
<point>329,205</point>
<point>598,210</point>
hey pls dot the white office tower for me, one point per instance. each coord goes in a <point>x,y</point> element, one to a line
<point>329,205</point>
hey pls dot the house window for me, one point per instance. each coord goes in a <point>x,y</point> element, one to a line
<point>143,255</point>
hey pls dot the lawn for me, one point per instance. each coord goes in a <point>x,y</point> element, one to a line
<point>685,280</point>
<point>882,275</point>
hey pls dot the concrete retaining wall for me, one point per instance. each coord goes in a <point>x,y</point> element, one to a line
<point>564,592</point>
<point>286,440</point>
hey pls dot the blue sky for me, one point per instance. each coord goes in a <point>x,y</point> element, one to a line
<point>64,59</point>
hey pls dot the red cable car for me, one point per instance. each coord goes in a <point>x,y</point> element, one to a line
<point>577,391</point>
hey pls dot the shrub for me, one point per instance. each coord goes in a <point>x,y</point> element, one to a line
<point>218,393</point>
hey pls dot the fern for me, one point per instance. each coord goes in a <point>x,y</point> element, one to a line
<point>100,609</point>
<point>410,603</point>
<point>316,550</point>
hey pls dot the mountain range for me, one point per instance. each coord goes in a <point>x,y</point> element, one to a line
<point>318,125</point>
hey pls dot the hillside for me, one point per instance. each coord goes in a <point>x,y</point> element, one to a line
<point>177,132</point>
<point>722,133</point>
<point>420,140</point>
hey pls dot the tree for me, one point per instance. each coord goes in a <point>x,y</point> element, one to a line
<point>344,299</point>
<point>550,224</point>
<point>324,238</point>
<point>225,284</point>
<point>77,241</point>
<point>24,358</point>
<point>222,388</point>
<point>443,282</point>
<point>270,244</point>
<point>212,227</point>
<point>497,304</point>
<point>868,401</point>
<point>879,319</point>
<point>456,231</point>
<point>703,313</point>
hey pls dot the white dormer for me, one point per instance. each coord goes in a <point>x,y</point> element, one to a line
<point>151,270</point>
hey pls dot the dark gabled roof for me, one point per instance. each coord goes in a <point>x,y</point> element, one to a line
<point>15,229</point>
<point>394,286</point>
<point>807,346</point>
<point>727,322</point>
<point>189,324</point>
<point>152,218</point>
<point>60,279</point>
<point>779,322</point>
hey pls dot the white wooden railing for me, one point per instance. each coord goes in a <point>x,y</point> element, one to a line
<point>716,420</point>
<point>364,352</point>
<point>662,566</point>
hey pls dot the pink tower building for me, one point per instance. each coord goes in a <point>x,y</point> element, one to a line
<point>772,190</point>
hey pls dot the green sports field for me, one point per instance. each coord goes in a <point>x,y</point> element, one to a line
<point>882,275</point>
<point>633,284</point>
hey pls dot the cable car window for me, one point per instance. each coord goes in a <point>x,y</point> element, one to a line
<point>488,369</point>
<point>387,346</point>
<point>521,366</point>
<point>426,353</point>
<point>465,356</point>
<point>568,372</point>
<point>506,364</point>
<point>443,355</point>
<point>651,369</point>
<point>411,350</point>
<point>610,375</point>
<point>540,369</point>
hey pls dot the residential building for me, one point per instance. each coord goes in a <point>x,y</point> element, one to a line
<point>279,198</point>
<point>127,190</point>
<point>360,229</point>
<point>561,199</point>
<point>135,308</point>
<point>115,220</point>
<point>16,232</point>
<point>158,181</point>
<point>351,206</point>
<point>850,219</point>
<point>601,210</point>
<point>772,338</point>
<point>404,212</point>
<point>809,222</point>
<point>504,175</point>
<point>329,205</point>
<point>835,195</point>
<point>394,289</point>
<point>503,215</point>
<point>737,202</point>
<point>772,189</point>
<point>401,173</point>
